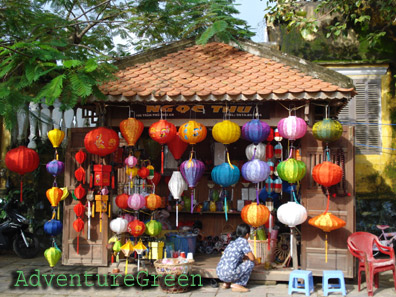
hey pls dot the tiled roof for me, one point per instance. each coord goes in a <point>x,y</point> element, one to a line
<point>215,72</point>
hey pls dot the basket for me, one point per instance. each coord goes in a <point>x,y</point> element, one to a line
<point>174,267</point>
<point>262,249</point>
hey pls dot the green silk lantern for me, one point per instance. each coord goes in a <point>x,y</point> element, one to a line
<point>153,228</point>
<point>291,170</point>
<point>327,130</point>
<point>52,255</point>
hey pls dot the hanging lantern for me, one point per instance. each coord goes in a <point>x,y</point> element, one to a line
<point>224,175</point>
<point>119,225</point>
<point>151,172</point>
<point>52,255</point>
<point>127,250</point>
<point>156,179</point>
<point>327,174</point>
<point>78,226</point>
<point>53,227</point>
<point>130,161</point>
<point>80,157</point>
<point>177,184</point>
<point>129,217</point>
<point>79,209</point>
<point>132,172</point>
<point>21,160</point>
<point>255,214</point>
<point>226,132</point>
<point>292,127</point>
<point>80,175</point>
<point>177,146</point>
<point>327,130</point>
<point>278,151</point>
<point>255,171</point>
<point>143,172</point>
<point>269,185</point>
<point>255,131</point>
<point>153,201</point>
<point>277,136</point>
<point>79,192</point>
<point>192,132</point>
<point>153,228</point>
<point>136,201</point>
<point>278,186</point>
<point>131,129</point>
<point>291,170</point>
<point>56,137</point>
<point>192,171</point>
<point>136,228</point>
<point>256,150</point>
<point>122,201</point>
<point>269,151</point>
<point>101,141</point>
<point>54,196</point>
<point>292,214</point>
<point>271,166</point>
<point>271,135</point>
<point>55,167</point>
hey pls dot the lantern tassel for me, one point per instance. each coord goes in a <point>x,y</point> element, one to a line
<point>228,159</point>
<point>109,209</point>
<point>162,159</point>
<point>126,266</point>
<point>257,195</point>
<point>112,258</point>
<point>89,222</point>
<point>58,213</point>
<point>53,214</point>
<point>20,197</point>
<point>177,213</point>
<point>93,210</point>
<point>192,200</point>
<point>90,181</point>
<point>225,207</point>
<point>326,247</point>
<point>255,244</point>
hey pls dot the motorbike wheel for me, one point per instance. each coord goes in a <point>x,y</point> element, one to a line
<point>22,250</point>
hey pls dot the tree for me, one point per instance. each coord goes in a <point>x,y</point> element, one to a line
<point>64,49</point>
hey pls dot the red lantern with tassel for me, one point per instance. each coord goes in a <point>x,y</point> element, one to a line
<point>78,225</point>
<point>101,141</point>
<point>80,174</point>
<point>177,146</point>
<point>22,160</point>
<point>79,209</point>
<point>79,192</point>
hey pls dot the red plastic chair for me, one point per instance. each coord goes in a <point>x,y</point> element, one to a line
<point>360,244</point>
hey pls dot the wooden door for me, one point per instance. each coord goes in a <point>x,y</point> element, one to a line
<point>92,252</point>
<point>313,198</point>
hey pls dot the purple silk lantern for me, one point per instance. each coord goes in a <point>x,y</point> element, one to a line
<point>255,171</point>
<point>136,201</point>
<point>192,171</point>
<point>255,131</point>
<point>292,127</point>
<point>55,167</point>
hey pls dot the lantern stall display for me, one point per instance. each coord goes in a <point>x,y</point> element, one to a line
<point>176,186</point>
<point>192,171</point>
<point>21,160</point>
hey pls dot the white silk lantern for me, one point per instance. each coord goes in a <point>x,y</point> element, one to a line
<point>176,186</point>
<point>119,225</point>
<point>258,154</point>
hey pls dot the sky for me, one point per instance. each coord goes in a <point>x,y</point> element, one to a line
<point>253,12</point>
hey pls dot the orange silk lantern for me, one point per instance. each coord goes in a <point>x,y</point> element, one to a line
<point>255,215</point>
<point>153,201</point>
<point>79,209</point>
<point>122,201</point>
<point>131,129</point>
<point>21,160</point>
<point>327,174</point>
<point>192,132</point>
<point>162,132</point>
<point>101,141</point>
<point>136,228</point>
<point>78,225</point>
<point>79,192</point>
<point>54,196</point>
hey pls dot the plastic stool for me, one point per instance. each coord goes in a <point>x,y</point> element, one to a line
<point>333,274</point>
<point>306,287</point>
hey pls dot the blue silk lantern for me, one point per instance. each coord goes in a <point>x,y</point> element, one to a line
<point>192,171</point>
<point>255,171</point>
<point>53,227</point>
<point>55,167</point>
<point>255,131</point>
<point>224,175</point>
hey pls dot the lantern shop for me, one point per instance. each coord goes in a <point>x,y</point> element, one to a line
<point>194,140</point>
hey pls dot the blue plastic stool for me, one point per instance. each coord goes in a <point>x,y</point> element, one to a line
<point>306,287</point>
<point>333,274</point>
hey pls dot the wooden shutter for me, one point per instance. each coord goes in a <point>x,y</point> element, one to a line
<point>92,252</point>
<point>312,238</point>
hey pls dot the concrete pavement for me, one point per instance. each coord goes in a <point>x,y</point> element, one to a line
<point>9,277</point>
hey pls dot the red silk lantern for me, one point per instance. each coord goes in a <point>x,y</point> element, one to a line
<point>79,174</point>
<point>80,157</point>
<point>269,151</point>
<point>54,195</point>
<point>22,160</point>
<point>177,146</point>
<point>156,179</point>
<point>270,135</point>
<point>131,129</point>
<point>122,201</point>
<point>78,225</point>
<point>153,201</point>
<point>79,209</point>
<point>255,215</point>
<point>143,172</point>
<point>79,192</point>
<point>101,141</point>
<point>136,228</point>
<point>327,174</point>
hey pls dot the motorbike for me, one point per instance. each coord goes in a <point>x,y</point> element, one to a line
<point>14,234</point>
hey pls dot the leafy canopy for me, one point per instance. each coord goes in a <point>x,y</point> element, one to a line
<point>64,49</point>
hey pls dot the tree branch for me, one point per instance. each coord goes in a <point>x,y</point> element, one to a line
<point>15,51</point>
<point>92,8</point>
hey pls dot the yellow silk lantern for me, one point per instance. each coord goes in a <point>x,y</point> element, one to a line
<point>56,137</point>
<point>226,132</point>
<point>65,193</point>
<point>127,249</point>
<point>54,195</point>
<point>192,132</point>
<point>52,255</point>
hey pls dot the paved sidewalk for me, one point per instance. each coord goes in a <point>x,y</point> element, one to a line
<point>10,264</point>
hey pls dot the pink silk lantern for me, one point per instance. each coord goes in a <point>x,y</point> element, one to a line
<point>136,201</point>
<point>292,127</point>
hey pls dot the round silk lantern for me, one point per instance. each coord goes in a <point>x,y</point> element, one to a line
<point>192,171</point>
<point>143,172</point>
<point>292,214</point>
<point>255,171</point>
<point>153,201</point>
<point>177,146</point>
<point>136,201</point>
<point>224,175</point>
<point>56,137</point>
<point>79,209</point>
<point>177,184</point>
<point>52,255</point>
<point>256,150</point>
<point>226,132</point>
<point>153,228</point>
<point>327,130</point>
<point>122,201</point>
<point>255,214</point>
<point>327,174</point>
<point>101,141</point>
<point>54,195</point>
<point>21,160</point>
<point>55,167</point>
<point>80,174</point>
<point>292,127</point>
<point>130,161</point>
<point>136,228</point>
<point>291,170</point>
<point>79,192</point>
<point>53,227</point>
<point>192,132</point>
<point>119,225</point>
<point>131,129</point>
<point>255,131</point>
<point>80,157</point>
